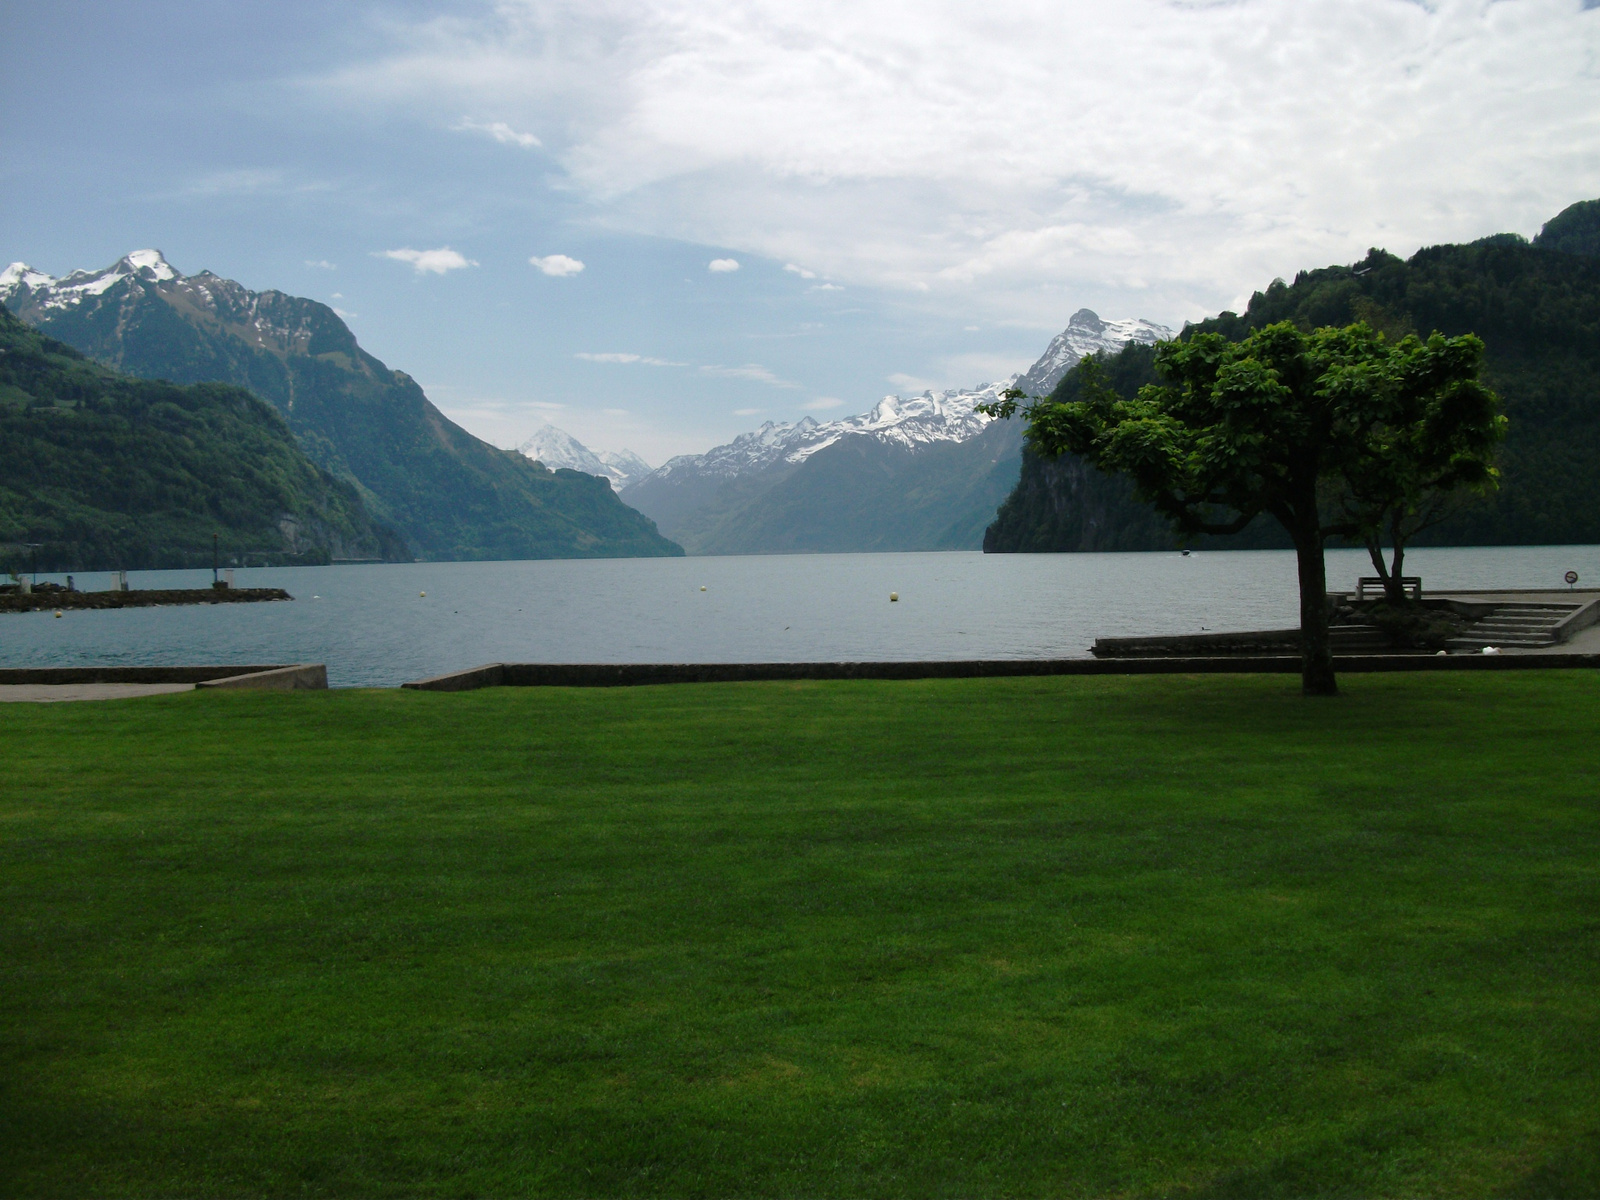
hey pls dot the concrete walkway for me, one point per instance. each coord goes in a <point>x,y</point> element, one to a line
<point>1585,641</point>
<point>44,693</point>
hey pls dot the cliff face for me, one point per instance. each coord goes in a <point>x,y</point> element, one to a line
<point>1063,504</point>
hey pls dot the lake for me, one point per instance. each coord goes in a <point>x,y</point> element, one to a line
<point>372,626</point>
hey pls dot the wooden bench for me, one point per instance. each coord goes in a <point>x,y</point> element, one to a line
<point>1374,583</point>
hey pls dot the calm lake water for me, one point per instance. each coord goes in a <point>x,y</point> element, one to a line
<point>373,628</point>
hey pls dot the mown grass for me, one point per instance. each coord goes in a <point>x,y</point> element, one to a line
<point>1114,936</point>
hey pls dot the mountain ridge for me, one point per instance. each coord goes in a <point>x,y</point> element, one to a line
<point>452,495</point>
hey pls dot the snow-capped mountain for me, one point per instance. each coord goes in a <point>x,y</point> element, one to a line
<point>916,472</point>
<point>946,416</point>
<point>1086,334</point>
<point>557,448</point>
<point>271,320</point>
<point>23,288</point>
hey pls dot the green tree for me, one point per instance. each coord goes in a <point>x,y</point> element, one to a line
<point>1328,432</point>
<point>1432,434</point>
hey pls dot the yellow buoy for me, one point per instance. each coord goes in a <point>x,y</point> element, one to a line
<point>422,593</point>
<point>58,612</point>
<point>702,587</point>
<point>894,595</point>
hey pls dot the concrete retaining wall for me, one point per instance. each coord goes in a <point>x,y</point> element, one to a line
<point>637,674</point>
<point>1586,616</point>
<point>269,675</point>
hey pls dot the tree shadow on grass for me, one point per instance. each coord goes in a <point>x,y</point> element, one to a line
<point>1571,1170</point>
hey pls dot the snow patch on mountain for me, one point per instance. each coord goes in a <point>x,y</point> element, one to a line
<point>1084,335</point>
<point>21,283</point>
<point>911,421</point>
<point>556,448</point>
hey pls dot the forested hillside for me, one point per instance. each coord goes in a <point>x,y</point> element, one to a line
<point>1535,305</point>
<point>105,471</point>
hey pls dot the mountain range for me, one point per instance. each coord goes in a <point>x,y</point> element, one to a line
<point>449,494</point>
<point>923,472</point>
<point>1535,305</point>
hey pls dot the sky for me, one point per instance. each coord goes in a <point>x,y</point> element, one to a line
<point>658,223</point>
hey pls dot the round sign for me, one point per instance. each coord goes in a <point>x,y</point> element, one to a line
<point>1572,577</point>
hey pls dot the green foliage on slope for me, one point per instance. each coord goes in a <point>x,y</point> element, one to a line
<point>1538,312</point>
<point>111,472</point>
<point>452,495</point>
<point>1574,230</point>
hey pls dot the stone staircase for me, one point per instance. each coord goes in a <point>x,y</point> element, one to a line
<point>1524,626</point>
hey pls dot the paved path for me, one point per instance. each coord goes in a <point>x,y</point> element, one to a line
<point>46,692</point>
<point>1585,641</point>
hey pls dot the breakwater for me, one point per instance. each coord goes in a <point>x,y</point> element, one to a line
<point>42,601</point>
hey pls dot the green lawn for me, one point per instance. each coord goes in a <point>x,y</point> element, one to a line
<point>1083,936</point>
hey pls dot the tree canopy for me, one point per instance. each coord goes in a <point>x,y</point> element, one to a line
<point>1330,432</point>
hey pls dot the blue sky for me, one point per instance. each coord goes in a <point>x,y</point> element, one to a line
<point>914,193</point>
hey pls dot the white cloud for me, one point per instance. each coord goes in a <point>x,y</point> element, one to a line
<point>436,262</point>
<point>345,316</point>
<point>825,287</point>
<point>800,271</point>
<point>499,131</point>
<point>557,265</point>
<point>748,412</point>
<point>628,358</point>
<point>751,371</point>
<point>965,370</point>
<point>321,264</point>
<point>249,181</point>
<point>822,402</point>
<point>721,266</point>
<point>1156,157</point>
<point>913,383</point>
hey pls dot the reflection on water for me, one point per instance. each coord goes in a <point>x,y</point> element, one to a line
<point>372,626</point>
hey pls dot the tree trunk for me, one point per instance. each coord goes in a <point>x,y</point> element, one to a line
<point>1316,652</point>
<point>1375,553</point>
<point>1393,590</point>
